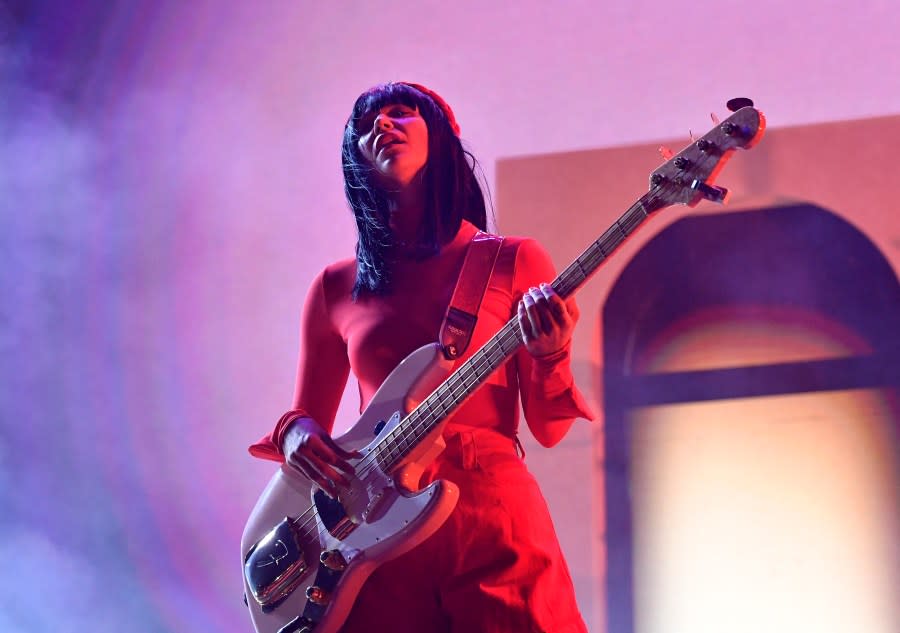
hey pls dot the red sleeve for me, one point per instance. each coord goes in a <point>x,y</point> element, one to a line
<point>322,370</point>
<point>550,399</point>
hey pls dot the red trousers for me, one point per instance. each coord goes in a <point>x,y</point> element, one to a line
<point>495,566</point>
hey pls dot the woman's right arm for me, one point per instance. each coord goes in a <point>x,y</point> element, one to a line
<point>302,435</point>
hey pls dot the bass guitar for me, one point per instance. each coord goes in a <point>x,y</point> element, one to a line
<point>305,555</point>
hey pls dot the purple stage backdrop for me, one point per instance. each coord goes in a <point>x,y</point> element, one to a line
<point>170,183</point>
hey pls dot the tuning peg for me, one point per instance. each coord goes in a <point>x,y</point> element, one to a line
<point>737,103</point>
<point>665,152</point>
<point>711,192</point>
<point>715,119</point>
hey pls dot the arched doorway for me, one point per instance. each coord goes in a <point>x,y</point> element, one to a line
<point>751,365</point>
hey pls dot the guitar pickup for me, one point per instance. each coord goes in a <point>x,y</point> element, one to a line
<point>275,566</point>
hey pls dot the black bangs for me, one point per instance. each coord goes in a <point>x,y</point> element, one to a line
<point>387,94</point>
<point>452,192</point>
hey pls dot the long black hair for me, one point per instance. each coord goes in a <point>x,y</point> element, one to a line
<point>452,192</point>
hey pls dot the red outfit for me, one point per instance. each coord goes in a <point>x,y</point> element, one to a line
<point>495,565</point>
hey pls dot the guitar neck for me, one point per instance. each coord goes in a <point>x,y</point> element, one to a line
<point>471,374</point>
<point>586,264</point>
<point>684,179</point>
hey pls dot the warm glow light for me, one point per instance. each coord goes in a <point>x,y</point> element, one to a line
<point>775,514</point>
<point>738,336</point>
<point>768,514</point>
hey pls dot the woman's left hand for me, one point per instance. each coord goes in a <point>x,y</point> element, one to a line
<point>546,320</point>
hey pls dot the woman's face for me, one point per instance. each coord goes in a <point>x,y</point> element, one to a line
<point>394,140</point>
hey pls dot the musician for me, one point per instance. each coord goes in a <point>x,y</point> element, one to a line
<point>495,565</point>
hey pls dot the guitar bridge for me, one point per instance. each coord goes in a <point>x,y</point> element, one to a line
<point>275,566</point>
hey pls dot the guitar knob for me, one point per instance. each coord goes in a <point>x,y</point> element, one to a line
<point>333,560</point>
<point>317,595</point>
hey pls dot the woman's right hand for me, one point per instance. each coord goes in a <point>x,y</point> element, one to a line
<point>310,451</point>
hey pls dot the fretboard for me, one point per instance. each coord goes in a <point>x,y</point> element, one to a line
<point>450,394</point>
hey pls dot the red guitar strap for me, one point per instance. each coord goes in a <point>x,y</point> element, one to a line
<point>459,323</point>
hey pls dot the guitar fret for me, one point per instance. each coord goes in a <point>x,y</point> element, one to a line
<point>493,356</point>
<point>478,362</point>
<point>577,264</point>
<point>566,286</point>
<point>446,398</point>
<point>636,215</point>
<point>684,182</point>
<point>465,381</point>
<point>597,255</point>
<point>608,241</point>
<point>438,409</point>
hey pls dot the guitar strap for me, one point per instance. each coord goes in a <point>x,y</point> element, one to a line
<point>459,323</point>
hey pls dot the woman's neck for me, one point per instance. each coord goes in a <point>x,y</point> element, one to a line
<point>407,208</point>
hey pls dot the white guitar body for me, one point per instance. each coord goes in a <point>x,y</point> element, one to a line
<point>389,516</point>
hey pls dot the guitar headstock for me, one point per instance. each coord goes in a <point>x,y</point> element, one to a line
<point>687,178</point>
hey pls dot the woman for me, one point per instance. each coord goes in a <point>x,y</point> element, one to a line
<point>495,565</point>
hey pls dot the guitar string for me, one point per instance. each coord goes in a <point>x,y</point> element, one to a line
<point>418,422</point>
<point>596,254</point>
<point>625,225</point>
<point>411,432</point>
<point>599,250</point>
<point>407,427</point>
<point>371,458</point>
<point>459,384</point>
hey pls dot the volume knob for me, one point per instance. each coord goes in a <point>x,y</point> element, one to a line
<point>333,559</point>
<point>317,595</point>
